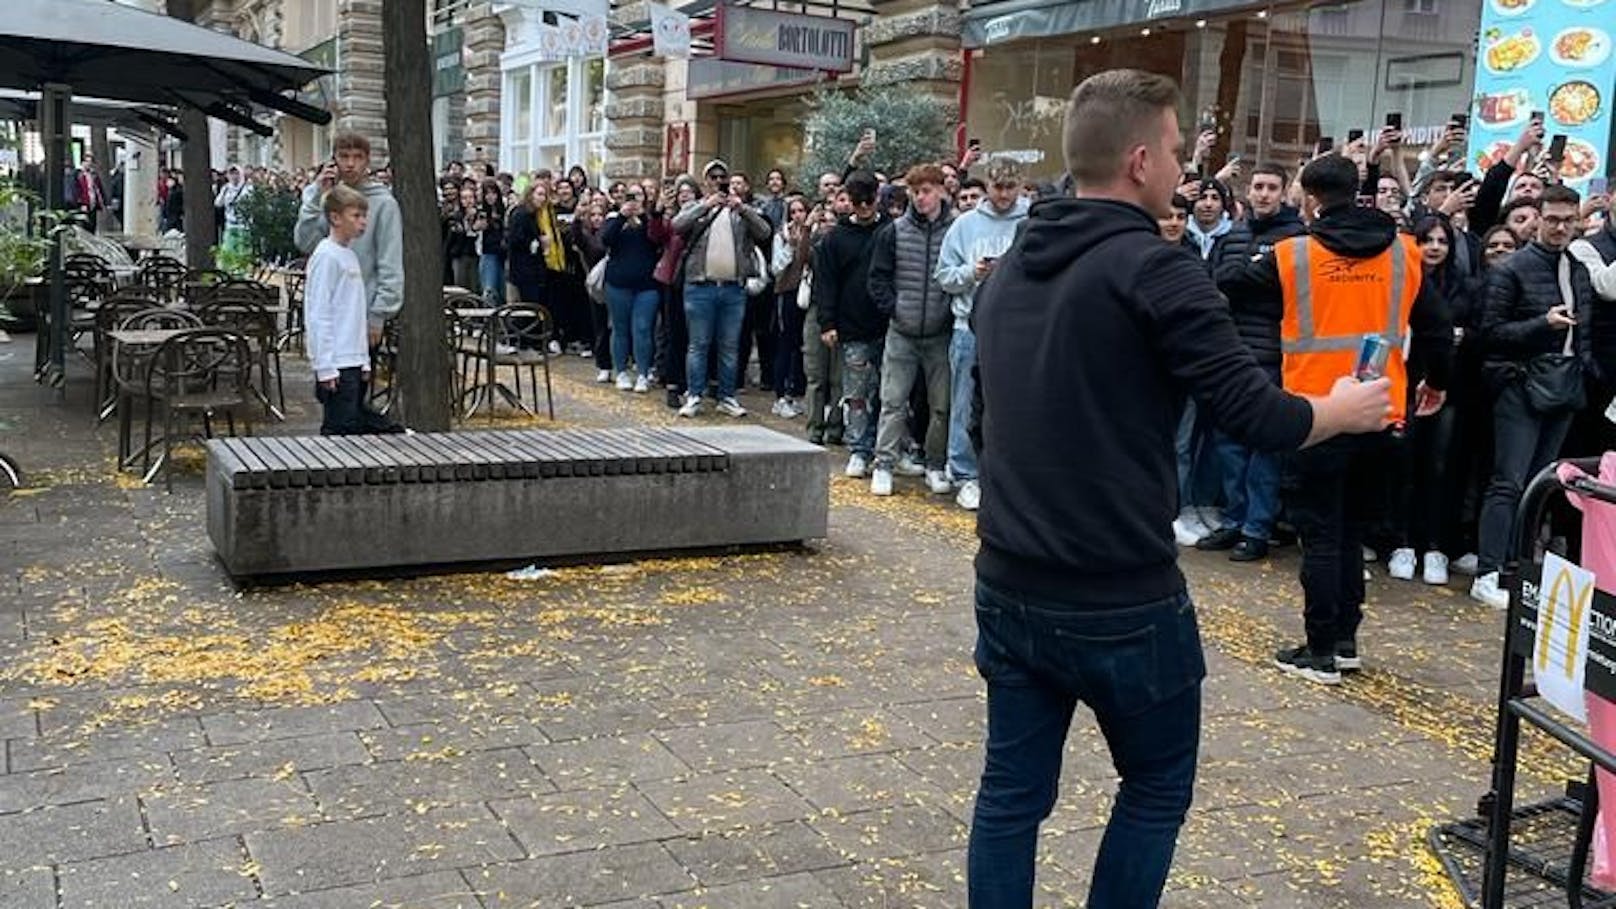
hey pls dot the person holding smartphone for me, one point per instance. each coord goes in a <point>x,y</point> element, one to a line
<point>380,249</point>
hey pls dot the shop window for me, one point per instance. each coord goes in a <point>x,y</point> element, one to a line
<point>519,101</point>
<point>594,96</point>
<point>555,102</point>
<point>1420,7</point>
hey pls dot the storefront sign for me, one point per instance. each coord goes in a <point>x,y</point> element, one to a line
<point>1580,621</point>
<point>749,35</point>
<point>711,78</point>
<point>997,21</point>
<point>1552,56</point>
<point>448,75</point>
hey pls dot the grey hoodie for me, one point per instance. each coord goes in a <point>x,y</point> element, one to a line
<point>380,249</point>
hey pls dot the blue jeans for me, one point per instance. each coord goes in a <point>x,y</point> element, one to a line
<point>633,317</point>
<point>861,394</point>
<point>1139,669</point>
<point>491,271</point>
<point>1250,488</point>
<point>713,313</point>
<point>961,454</point>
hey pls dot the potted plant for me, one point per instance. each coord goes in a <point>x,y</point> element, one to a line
<point>22,256</point>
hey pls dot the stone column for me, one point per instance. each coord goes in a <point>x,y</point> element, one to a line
<point>634,121</point>
<point>361,103</point>
<point>915,43</point>
<point>485,41</point>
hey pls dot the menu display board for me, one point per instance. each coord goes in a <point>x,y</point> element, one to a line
<point>1552,56</point>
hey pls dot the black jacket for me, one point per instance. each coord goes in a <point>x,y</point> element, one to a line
<point>1514,327</point>
<point>633,254</point>
<point>1603,334</point>
<point>1257,310</point>
<point>1089,333</point>
<point>1360,233</point>
<point>841,282</point>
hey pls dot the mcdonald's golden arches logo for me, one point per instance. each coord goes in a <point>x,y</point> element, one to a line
<point>1579,602</point>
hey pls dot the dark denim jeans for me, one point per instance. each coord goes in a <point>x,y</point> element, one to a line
<point>346,412</point>
<point>1332,490</point>
<point>713,315</point>
<point>1524,442</point>
<point>1139,669</point>
<point>1250,487</point>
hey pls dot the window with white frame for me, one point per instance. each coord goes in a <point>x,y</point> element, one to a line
<point>555,116</point>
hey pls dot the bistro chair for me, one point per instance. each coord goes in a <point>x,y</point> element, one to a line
<point>128,365</point>
<point>198,374</point>
<point>111,314</point>
<point>165,275</point>
<point>239,310</point>
<point>500,341</point>
<point>292,281</point>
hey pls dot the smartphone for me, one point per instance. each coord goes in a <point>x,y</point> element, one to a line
<point>974,143</point>
<point>1461,121</point>
<point>1326,144</point>
<point>1537,117</point>
<point>1557,148</point>
<point>869,133</point>
<point>1598,186</point>
<point>1394,120</point>
<point>1353,135</point>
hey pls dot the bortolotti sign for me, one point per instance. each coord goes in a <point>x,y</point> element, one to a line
<point>749,35</point>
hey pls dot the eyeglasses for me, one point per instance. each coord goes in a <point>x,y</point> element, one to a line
<point>1558,220</point>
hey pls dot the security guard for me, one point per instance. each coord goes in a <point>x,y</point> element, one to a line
<point>1352,277</point>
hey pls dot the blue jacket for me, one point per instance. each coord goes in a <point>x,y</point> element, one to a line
<point>632,254</point>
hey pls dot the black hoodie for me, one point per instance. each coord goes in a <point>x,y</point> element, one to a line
<point>1089,333</point>
<point>841,287</point>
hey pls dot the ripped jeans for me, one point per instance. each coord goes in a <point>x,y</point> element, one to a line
<point>861,393</point>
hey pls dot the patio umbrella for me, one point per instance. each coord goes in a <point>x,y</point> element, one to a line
<point>120,53</point>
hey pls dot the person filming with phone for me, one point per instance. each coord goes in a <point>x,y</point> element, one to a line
<point>380,249</point>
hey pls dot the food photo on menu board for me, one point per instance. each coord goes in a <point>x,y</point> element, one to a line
<point>1550,58</point>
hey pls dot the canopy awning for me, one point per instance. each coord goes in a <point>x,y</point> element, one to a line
<point>108,50</point>
<point>998,21</point>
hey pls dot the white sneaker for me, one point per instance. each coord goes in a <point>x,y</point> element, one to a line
<point>730,407</point>
<point>1401,567</point>
<point>555,347</point>
<point>691,407</point>
<point>4,338</point>
<point>1436,569</point>
<point>1486,590</point>
<point>585,353</point>
<point>970,495</point>
<point>937,482</point>
<point>603,376</point>
<point>1467,564</point>
<point>858,466</point>
<point>1369,555</point>
<point>908,467</point>
<point>641,385</point>
<point>504,350</point>
<point>793,409</point>
<point>625,382</point>
<point>881,482</point>
<point>1185,532</point>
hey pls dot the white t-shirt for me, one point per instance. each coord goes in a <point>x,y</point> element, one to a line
<point>334,311</point>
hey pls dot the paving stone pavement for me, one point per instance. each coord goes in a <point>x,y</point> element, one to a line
<point>797,729</point>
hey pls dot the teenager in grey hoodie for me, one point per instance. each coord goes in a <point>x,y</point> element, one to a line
<point>971,248</point>
<point>381,249</point>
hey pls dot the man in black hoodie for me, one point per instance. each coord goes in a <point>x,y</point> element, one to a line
<point>1090,332</point>
<point>1250,477</point>
<point>1338,285</point>
<point>848,317</point>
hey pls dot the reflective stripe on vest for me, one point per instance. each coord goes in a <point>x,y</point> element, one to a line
<point>1307,339</point>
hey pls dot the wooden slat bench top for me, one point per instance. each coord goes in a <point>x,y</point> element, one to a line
<point>297,462</point>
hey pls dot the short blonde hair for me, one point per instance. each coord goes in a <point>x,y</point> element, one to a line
<point>342,198</point>
<point>1109,113</point>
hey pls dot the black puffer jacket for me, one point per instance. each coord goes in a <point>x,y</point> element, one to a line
<point>1257,310</point>
<point>1603,334</point>
<point>1514,329</point>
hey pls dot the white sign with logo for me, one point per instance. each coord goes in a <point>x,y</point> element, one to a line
<point>670,31</point>
<point>751,35</point>
<point>1560,653</point>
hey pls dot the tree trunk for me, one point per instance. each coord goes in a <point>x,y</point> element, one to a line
<point>196,160</point>
<point>1231,66</point>
<point>423,366</point>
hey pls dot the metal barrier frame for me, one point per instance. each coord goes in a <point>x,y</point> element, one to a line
<point>1515,696</point>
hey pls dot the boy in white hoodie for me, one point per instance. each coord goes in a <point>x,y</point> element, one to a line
<point>335,313</point>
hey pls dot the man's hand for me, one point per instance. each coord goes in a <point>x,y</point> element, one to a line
<point>1546,171</point>
<point>1357,407</point>
<point>1190,190</point>
<point>864,148</point>
<point>1531,137</point>
<point>734,202</point>
<point>1231,171</point>
<point>715,200</point>
<point>984,267</point>
<point>1460,199</point>
<point>1560,316</point>
<point>829,338</point>
<point>1595,204</point>
<point>327,384</point>
<point>1428,400</point>
<point>1452,137</point>
<point>327,177</point>
<point>375,335</point>
<point>1386,140</point>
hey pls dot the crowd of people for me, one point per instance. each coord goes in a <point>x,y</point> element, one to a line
<point>1520,266</point>
<point>854,295</point>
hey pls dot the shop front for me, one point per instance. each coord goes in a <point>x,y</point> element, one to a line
<point>1271,78</point>
<point>553,111</point>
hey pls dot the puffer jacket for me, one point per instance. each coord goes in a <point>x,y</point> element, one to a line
<point>903,275</point>
<point>1520,291</point>
<point>1257,312</point>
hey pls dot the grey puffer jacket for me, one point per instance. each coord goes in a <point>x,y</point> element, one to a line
<point>903,275</point>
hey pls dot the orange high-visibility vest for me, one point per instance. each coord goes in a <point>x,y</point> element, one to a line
<point>1332,301</point>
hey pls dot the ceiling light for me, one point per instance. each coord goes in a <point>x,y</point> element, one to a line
<point>1144,33</point>
<point>1095,40</point>
<point>1200,23</point>
<point>1262,14</point>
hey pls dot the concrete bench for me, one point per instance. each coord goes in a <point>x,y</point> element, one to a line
<point>292,505</point>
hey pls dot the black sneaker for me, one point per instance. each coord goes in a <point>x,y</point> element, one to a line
<point>1220,540</point>
<point>834,437</point>
<point>1346,656</point>
<point>675,399</point>
<point>1300,661</point>
<point>1249,550</point>
<point>817,437</point>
